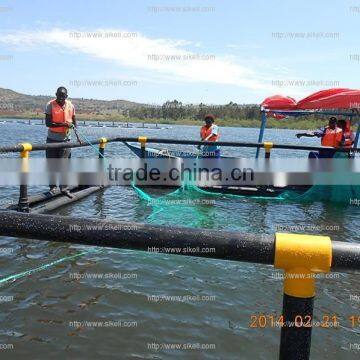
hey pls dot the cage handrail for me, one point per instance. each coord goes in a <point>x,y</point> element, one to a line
<point>65,145</point>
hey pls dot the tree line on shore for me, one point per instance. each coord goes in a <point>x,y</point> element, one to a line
<point>176,110</point>
<point>231,114</point>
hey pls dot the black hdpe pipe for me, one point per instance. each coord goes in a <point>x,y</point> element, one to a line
<point>129,235</point>
<point>226,245</point>
<point>39,147</point>
<point>63,200</point>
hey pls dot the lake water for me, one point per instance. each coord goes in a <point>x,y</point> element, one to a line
<point>150,305</point>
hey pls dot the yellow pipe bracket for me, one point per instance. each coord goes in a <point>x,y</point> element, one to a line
<point>268,146</point>
<point>302,256</point>
<point>25,151</point>
<point>103,142</point>
<point>142,140</point>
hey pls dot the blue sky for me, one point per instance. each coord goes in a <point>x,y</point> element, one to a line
<point>153,51</point>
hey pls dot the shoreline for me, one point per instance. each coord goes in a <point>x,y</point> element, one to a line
<point>289,124</point>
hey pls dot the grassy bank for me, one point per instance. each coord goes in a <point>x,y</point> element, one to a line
<point>301,124</point>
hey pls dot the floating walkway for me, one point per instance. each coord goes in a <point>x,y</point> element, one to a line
<point>45,202</point>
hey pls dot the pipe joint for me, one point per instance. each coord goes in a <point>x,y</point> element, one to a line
<point>268,145</point>
<point>302,256</point>
<point>142,140</point>
<point>26,147</point>
<point>103,142</point>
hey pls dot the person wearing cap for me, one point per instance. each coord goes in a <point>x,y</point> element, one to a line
<point>59,118</point>
<point>210,132</point>
<point>331,136</point>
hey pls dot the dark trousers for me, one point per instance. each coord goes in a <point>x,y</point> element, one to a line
<point>57,154</point>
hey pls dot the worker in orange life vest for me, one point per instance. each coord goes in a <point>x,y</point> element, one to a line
<point>210,132</point>
<point>59,118</point>
<point>348,136</point>
<point>331,136</point>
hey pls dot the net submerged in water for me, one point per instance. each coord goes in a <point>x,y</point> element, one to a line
<point>193,207</point>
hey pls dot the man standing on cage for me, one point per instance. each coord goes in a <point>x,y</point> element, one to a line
<point>210,132</point>
<point>331,136</point>
<point>59,118</point>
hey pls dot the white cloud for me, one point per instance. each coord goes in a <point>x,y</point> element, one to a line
<point>136,52</point>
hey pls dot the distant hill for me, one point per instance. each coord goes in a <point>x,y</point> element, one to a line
<point>20,106</point>
<point>14,102</point>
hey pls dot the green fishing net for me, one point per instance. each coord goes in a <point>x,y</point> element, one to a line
<point>193,207</point>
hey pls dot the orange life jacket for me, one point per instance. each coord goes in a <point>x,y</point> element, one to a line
<point>61,115</point>
<point>206,131</point>
<point>348,139</point>
<point>332,137</point>
<point>348,135</point>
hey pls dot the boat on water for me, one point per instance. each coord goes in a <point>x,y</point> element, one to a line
<point>163,153</point>
<point>266,191</point>
<point>331,102</point>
